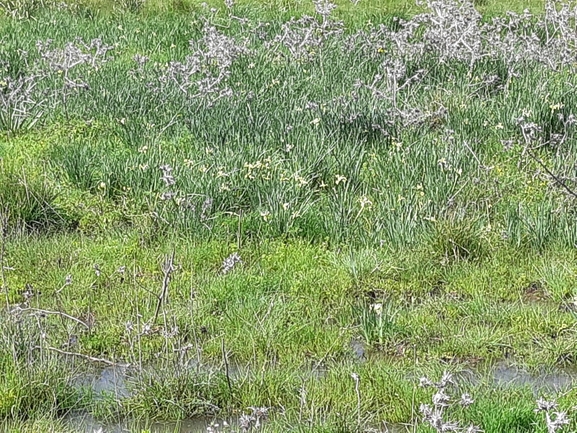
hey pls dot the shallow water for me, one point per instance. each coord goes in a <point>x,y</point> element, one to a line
<point>556,380</point>
<point>109,381</point>
<point>84,423</point>
<point>358,349</point>
<point>112,381</point>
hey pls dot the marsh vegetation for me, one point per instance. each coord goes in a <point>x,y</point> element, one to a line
<point>288,218</point>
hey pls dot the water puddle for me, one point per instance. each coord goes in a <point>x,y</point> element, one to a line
<point>85,423</point>
<point>396,428</point>
<point>114,382</point>
<point>110,381</point>
<point>555,380</point>
<point>502,375</point>
<point>358,349</point>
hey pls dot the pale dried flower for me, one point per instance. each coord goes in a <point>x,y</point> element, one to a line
<point>466,400</point>
<point>167,176</point>
<point>230,262</point>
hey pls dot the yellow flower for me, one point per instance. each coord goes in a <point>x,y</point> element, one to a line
<point>556,106</point>
<point>300,180</point>
<point>365,202</point>
<point>265,215</point>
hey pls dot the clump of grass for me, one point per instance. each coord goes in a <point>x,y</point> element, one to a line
<point>196,394</point>
<point>453,241</point>
<point>29,201</point>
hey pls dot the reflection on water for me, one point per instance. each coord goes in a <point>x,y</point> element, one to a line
<point>503,375</point>
<point>112,381</point>
<point>358,349</point>
<point>109,381</point>
<point>84,423</point>
<point>397,428</point>
<point>556,380</point>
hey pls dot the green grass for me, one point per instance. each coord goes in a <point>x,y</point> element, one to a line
<point>354,15</point>
<point>437,245</point>
<point>287,309</point>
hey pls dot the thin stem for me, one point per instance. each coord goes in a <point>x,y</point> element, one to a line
<point>167,270</point>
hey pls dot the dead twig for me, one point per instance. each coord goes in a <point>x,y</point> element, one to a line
<point>556,178</point>
<point>57,313</point>
<point>3,234</point>
<point>88,358</point>
<point>226,369</point>
<point>167,270</point>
